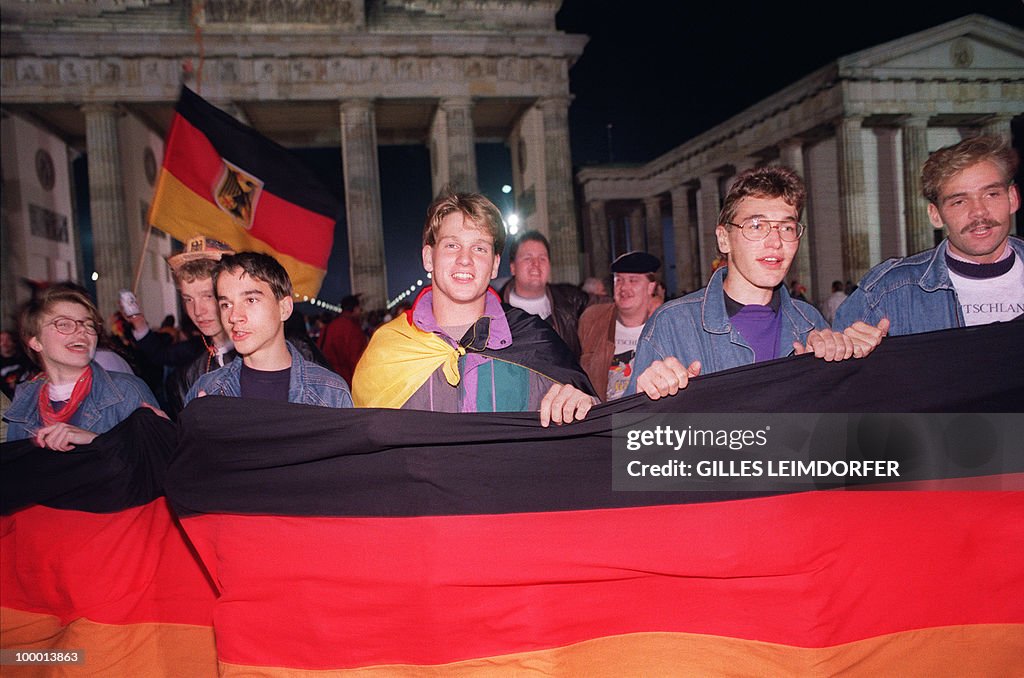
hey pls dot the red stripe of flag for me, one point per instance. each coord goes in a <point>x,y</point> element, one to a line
<point>130,566</point>
<point>809,570</point>
<point>285,226</point>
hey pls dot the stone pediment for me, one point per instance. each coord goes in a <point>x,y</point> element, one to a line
<point>970,47</point>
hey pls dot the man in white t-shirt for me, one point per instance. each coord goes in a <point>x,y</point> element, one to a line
<point>531,290</point>
<point>609,332</point>
<point>976,275</point>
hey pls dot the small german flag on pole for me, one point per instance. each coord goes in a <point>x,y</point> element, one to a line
<point>224,180</point>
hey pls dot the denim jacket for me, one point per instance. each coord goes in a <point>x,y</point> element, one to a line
<point>113,397</point>
<point>697,327</point>
<point>309,384</point>
<point>914,293</point>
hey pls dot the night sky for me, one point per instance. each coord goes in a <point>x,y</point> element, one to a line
<point>659,75</point>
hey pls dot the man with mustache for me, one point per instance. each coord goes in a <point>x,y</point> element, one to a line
<point>976,275</point>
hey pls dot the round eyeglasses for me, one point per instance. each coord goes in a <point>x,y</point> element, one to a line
<point>757,229</point>
<point>69,325</point>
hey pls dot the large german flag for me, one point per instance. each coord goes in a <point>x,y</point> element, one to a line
<point>93,560</point>
<point>224,180</point>
<point>402,543</point>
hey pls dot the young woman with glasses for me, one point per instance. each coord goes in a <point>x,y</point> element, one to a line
<point>73,399</point>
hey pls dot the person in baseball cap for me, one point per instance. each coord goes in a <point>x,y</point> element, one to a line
<point>197,249</point>
<point>608,332</point>
<point>211,348</point>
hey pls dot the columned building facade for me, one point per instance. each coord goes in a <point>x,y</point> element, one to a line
<point>81,75</point>
<point>857,130</point>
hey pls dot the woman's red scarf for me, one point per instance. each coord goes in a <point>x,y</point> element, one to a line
<point>82,388</point>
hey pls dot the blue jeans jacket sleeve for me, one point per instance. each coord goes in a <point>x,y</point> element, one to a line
<point>697,327</point>
<point>915,293</point>
<point>309,383</point>
<point>113,397</point>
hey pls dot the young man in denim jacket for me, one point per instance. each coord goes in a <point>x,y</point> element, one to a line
<point>745,314</point>
<point>254,293</point>
<point>976,275</point>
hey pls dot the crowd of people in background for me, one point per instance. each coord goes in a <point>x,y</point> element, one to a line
<point>468,345</point>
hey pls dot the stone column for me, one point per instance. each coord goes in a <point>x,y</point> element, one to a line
<point>600,259</point>
<point>453,151</point>
<point>739,167</point>
<point>999,125</point>
<point>362,202</point>
<point>852,199</point>
<point>791,154</point>
<point>110,233</point>
<point>12,264</point>
<point>708,207</point>
<point>652,209</point>
<point>637,228</point>
<point>919,231</point>
<point>682,231</point>
<point>565,250</point>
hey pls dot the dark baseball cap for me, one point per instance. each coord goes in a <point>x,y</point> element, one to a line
<point>636,262</point>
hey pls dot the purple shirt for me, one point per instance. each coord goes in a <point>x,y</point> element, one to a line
<point>760,326</point>
<point>499,337</point>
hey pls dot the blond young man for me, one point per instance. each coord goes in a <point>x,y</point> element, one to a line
<point>458,349</point>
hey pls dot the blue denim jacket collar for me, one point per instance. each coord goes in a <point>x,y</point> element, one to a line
<point>308,383</point>
<point>936,274</point>
<point>100,411</point>
<point>714,317</point>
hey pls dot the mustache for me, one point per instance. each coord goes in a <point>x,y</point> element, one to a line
<point>991,223</point>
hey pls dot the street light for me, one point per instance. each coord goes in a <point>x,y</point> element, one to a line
<point>513,223</point>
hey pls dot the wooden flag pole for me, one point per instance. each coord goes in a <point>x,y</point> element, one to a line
<point>142,259</point>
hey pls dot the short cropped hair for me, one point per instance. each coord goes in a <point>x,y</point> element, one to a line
<point>258,266</point>
<point>476,207</point>
<point>770,181</point>
<point>190,271</point>
<point>30,322</point>
<point>949,161</point>
<point>526,236</point>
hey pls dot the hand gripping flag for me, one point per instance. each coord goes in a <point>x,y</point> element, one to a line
<point>224,180</point>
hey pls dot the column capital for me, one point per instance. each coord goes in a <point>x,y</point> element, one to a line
<point>999,125</point>
<point>999,118</point>
<point>849,122</point>
<point>358,104</point>
<point>916,120</point>
<point>102,107</point>
<point>446,103</point>
<point>555,101</point>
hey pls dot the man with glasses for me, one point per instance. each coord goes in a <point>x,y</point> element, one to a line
<point>745,314</point>
<point>976,275</point>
